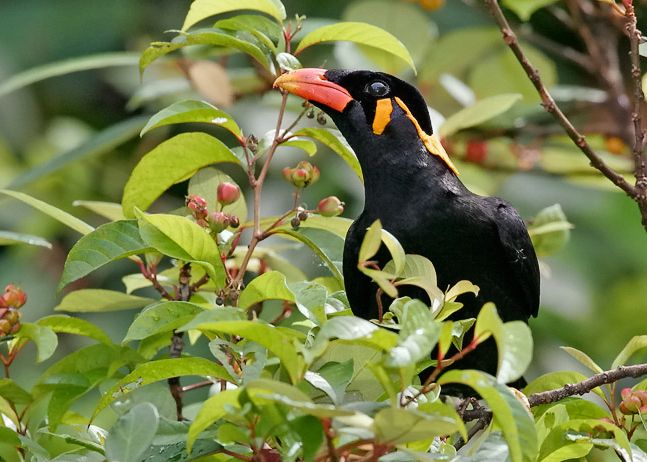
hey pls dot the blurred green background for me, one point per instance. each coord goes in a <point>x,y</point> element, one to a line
<point>593,290</point>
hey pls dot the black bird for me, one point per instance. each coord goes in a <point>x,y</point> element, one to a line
<point>412,186</point>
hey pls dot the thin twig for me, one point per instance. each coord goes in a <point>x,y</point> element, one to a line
<point>257,186</point>
<point>197,385</point>
<point>549,103</point>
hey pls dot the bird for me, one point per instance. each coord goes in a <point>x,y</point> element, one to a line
<point>412,186</point>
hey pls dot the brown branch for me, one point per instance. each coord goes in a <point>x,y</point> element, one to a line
<point>638,97</point>
<point>587,385</point>
<point>177,341</point>
<point>549,103</point>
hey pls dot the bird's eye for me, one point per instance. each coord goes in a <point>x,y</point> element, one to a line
<point>377,89</point>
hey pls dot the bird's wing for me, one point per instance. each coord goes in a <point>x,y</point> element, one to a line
<point>519,254</point>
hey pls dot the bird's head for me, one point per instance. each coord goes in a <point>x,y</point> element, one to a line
<point>376,112</point>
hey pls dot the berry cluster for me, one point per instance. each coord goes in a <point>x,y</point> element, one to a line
<point>633,401</point>
<point>302,175</point>
<point>227,194</point>
<point>12,299</point>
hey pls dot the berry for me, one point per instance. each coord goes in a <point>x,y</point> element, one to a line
<point>218,221</point>
<point>295,222</point>
<point>228,193</point>
<point>330,206</point>
<point>14,297</point>
<point>234,222</point>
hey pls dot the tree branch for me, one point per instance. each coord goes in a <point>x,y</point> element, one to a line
<point>549,103</point>
<point>638,97</point>
<point>571,389</point>
<point>587,385</point>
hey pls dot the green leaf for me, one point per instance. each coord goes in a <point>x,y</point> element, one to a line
<point>396,250</point>
<point>513,341</point>
<point>360,33</point>
<point>161,317</point>
<point>549,230</point>
<point>110,210</point>
<point>301,143</point>
<point>11,238</point>
<point>43,337</point>
<point>478,113</point>
<point>508,412</point>
<point>557,446</point>
<point>181,238</point>
<point>203,37</point>
<point>108,243</point>
<point>63,324</point>
<point>327,245</point>
<point>449,55</point>
<point>202,9</point>
<point>14,393</point>
<point>583,358</point>
<point>67,66</point>
<point>262,28</point>
<point>207,319</point>
<point>100,300</point>
<point>169,163</point>
<point>310,431</point>
<point>634,345</point>
<point>278,341</point>
<point>525,8</point>
<point>76,374</point>
<point>371,242</point>
<point>100,143</point>
<point>154,371</point>
<point>288,62</point>
<point>54,212</point>
<point>336,142</point>
<point>499,72</point>
<point>418,335</point>
<point>132,434</point>
<point>357,329</point>
<point>192,111</point>
<point>420,272</point>
<point>211,411</point>
<point>407,21</point>
<point>268,286</point>
<point>398,426</point>
<point>382,279</point>
<point>205,184</point>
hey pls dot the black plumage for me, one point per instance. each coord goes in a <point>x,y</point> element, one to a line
<point>419,198</point>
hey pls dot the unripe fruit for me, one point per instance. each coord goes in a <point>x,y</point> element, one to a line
<point>13,316</point>
<point>14,297</point>
<point>630,405</point>
<point>195,202</point>
<point>5,327</point>
<point>300,177</point>
<point>228,193</point>
<point>330,206</point>
<point>218,221</point>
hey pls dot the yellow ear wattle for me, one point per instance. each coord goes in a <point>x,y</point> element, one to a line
<point>431,142</point>
<point>383,110</point>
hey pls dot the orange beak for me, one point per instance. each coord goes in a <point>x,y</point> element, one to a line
<point>311,84</point>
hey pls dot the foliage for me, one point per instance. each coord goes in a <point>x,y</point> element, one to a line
<point>291,374</point>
